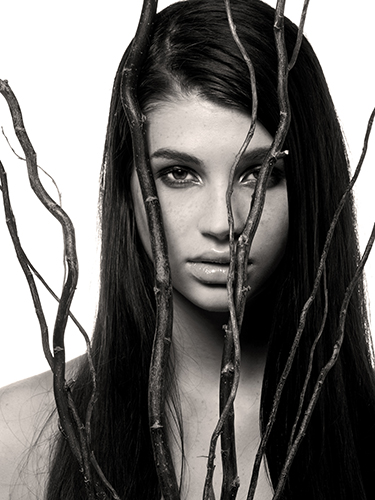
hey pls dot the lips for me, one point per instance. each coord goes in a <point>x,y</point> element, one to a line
<point>210,272</point>
<point>211,269</point>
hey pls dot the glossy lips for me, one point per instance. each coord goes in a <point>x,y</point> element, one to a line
<point>210,270</point>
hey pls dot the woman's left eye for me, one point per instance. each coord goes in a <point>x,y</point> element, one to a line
<point>177,176</point>
<point>250,177</point>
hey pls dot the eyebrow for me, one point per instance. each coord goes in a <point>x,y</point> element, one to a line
<point>170,154</point>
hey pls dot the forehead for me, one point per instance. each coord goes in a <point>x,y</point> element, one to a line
<point>201,127</point>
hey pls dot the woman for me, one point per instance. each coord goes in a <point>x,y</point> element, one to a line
<point>194,92</point>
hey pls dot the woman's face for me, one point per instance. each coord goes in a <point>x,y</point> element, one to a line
<point>192,145</point>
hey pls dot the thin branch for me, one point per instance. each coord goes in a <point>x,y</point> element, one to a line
<point>230,367</point>
<point>53,182</point>
<point>24,263</point>
<point>298,44</point>
<point>40,168</point>
<point>103,478</point>
<point>311,360</point>
<point>305,311</point>
<point>283,99</point>
<point>226,411</point>
<point>85,459</point>
<point>325,370</point>
<point>163,285</point>
<point>64,403</point>
<point>26,267</point>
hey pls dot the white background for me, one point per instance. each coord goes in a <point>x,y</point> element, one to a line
<point>60,59</point>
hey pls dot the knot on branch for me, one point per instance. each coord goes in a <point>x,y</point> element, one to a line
<point>243,240</point>
<point>272,161</point>
<point>57,349</point>
<point>228,368</point>
<point>282,154</point>
<point>235,484</point>
<point>245,289</point>
<point>227,330</point>
<point>61,429</point>
<point>150,199</point>
<point>156,425</point>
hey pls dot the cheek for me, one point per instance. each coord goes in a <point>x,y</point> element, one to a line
<point>176,217</point>
<point>272,235</point>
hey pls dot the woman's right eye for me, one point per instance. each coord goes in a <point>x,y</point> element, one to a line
<point>177,176</point>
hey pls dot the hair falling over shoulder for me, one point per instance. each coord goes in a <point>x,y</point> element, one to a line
<point>192,50</point>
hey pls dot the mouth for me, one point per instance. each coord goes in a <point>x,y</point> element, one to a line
<point>211,272</point>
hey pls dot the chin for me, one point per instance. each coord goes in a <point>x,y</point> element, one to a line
<point>215,308</point>
<point>215,301</point>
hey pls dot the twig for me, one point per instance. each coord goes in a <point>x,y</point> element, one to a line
<point>11,223</point>
<point>102,477</point>
<point>64,403</point>
<point>40,168</point>
<point>258,201</point>
<point>325,370</point>
<point>230,367</point>
<point>53,182</point>
<point>163,286</point>
<point>311,360</point>
<point>45,341</point>
<point>305,311</point>
<point>69,288</point>
<point>301,26</point>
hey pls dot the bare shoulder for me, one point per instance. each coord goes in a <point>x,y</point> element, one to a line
<point>27,425</point>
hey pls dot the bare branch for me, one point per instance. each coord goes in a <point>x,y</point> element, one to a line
<point>163,286</point>
<point>64,402</point>
<point>311,360</point>
<point>230,367</point>
<point>305,310</point>
<point>299,36</point>
<point>40,168</point>
<point>25,266</point>
<point>325,370</point>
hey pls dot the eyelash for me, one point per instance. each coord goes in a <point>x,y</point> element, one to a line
<point>163,175</point>
<point>275,177</point>
<point>166,176</point>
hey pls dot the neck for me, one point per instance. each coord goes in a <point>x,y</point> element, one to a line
<point>198,343</point>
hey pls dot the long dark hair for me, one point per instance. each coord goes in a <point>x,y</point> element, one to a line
<point>192,51</point>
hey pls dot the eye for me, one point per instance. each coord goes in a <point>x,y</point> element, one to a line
<point>250,176</point>
<point>177,176</point>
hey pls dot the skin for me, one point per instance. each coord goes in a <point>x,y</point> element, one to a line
<point>192,195</point>
<point>192,145</point>
<point>25,408</point>
<point>191,158</point>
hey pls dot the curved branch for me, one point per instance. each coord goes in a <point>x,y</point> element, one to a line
<point>305,311</point>
<point>163,286</point>
<point>325,370</point>
<point>71,258</point>
<point>64,403</point>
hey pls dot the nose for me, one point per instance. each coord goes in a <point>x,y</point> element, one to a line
<point>214,219</point>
